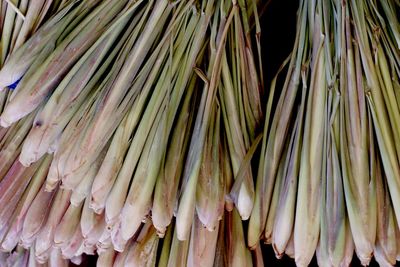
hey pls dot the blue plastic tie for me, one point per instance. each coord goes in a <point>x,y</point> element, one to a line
<point>14,85</point>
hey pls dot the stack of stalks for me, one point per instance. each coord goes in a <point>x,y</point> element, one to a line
<point>329,174</point>
<point>132,126</point>
<point>130,134</point>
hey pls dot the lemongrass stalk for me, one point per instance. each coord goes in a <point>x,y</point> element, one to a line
<point>12,188</point>
<point>250,83</point>
<point>4,132</point>
<point>337,223</point>
<point>61,4</point>
<point>258,257</point>
<point>56,259</point>
<point>113,161</point>
<point>166,189</point>
<point>93,237</point>
<point>273,145</point>
<point>88,250</point>
<point>3,99</point>
<point>334,228</point>
<point>92,225</point>
<point>22,7</point>
<point>331,248</point>
<point>70,93</point>
<point>118,241</point>
<point>68,225</point>
<point>15,7</point>
<point>385,250</point>
<point>44,240</point>
<point>13,235</point>
<point>36,63</point>
<point>235,242</point>
<point>32,90</point>
<point>27,25</point>
<point>3,255</point>
<point>361,210</point>
<point>79,252</point>
<point>186,207</point>
<point>4,229</point>
<point>36,216</point>
<point>390,12</point>
<point>23,57</point>
<point>10,150</point>
<point>17,258</point>
<point>238,76</point>
<point>86,10</point>
<point>3,9</point>
<point>236,139</point>
<point>71,248</point>
<point>273,209</point>
<point>362,239</point>
<point>220,258</point>
<point>227,173</point>
<point>202,245</point>
<point>44,12</point>
<point>82,190</point>
<point>235,190</point>
<point>84,178</point>
<point>348,247</point>
<point>166,247</point>
<point>385,81</point>
<point>106,258</point>
<point>289,251</point>
<point>104,241</point>
<point>88,219</point>
<point>143,251</point>
<point>6,33</point>
<point>144,179</point>
<point>284,220</point>
<point>32,262</point>
<point>178,252</point>
<point>77,260</point>
<point>82,250</point>
<point>307,221</point>
<point>398,244</point>
<point>120,258</point>
<point>381,122</point>
<point>210,190</point>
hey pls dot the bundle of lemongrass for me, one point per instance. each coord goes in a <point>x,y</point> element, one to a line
<point>329,174</point>
<point>126,114</point>
<point>19,19</point>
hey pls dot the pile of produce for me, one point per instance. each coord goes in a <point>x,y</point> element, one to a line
<point>329,175</point>
<point>131,121</point>
<point>129,129</point>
